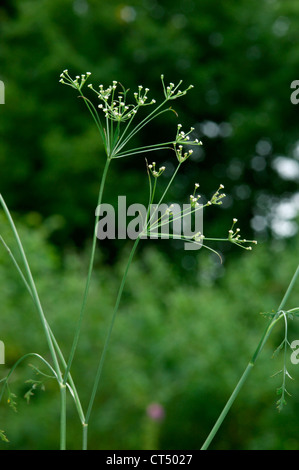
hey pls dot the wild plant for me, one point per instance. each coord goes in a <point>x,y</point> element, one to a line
<point>117,121</point>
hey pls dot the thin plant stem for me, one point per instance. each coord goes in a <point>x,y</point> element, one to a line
<point>5,380</point>
<point>146,148</point>
<point>122,142</point>
<point>33,290</point>
<point>143,150</point>
<point>284,370</point>
<point>16,265</point>
<point>164,193</point>
<point>90,269</point>
<point>251,363</point>
<point>108,336</point>
<point>71,383</point>
<point>84,436</point>
<point>62,417</point>
<point>60,355</point>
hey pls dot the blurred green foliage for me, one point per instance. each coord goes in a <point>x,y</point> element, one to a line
<point>188,325</point>
<point>182,344</point>
<point>240,57</point>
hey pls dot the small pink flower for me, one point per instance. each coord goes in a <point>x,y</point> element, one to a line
<point>155,411</point>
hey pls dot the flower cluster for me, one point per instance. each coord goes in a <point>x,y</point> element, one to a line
<point>141,96</point>
<point>169,209</point>
<point>217,196</point>
<point>77,83</point>
<point>154,172</point>
<point>235,237</point>
<point>172,91</point>
<point>184,138</point>
<point>182,156</point>
<point>193,198</point>
<point>116,108</point>
<point>105,94</point>
<point>198,237</point>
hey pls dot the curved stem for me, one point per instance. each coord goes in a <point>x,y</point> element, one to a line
<point>33,289</point>
<point>251,363</point>
<point>58,350</point>
<point>5,380</point>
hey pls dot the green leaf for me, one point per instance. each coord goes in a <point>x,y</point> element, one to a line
<point>29,394</point>
<point>11,402</point>
<point>278,349</point>
<point>268,314</point>
<point>35,384</point>
<point>276,373</point>
<point>3,436</point>
<point>294,312</point>
<point>281,403</point>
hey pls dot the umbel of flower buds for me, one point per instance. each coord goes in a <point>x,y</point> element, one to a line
<point>154,172</point>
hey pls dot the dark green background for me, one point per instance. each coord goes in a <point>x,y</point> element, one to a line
<point>188,325</point>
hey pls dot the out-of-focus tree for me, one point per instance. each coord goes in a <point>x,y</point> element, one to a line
<point>241,58</point>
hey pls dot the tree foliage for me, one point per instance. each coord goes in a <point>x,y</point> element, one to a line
<point>240,57</point>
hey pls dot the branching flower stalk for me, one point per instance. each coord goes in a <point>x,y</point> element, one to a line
<point>275,318</point>
<point>152,228</point>
<point>116,121</point>
<point>284,346</point>
<point>114,138</point>
<point>282,390</point>
<point>116,111</point>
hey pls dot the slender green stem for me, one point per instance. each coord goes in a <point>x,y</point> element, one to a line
<point>122,142</point>
<point>178,215</point>
<point>91,263</point>
<point>284,370</point>
<point>251,363</point>
<point>108,336</point>
<point>143,123</point>
<point>60,355</point>
<point>16,265</point>
<point>33,289</point>
<point>289,289</point>
<point>84,436</point>
<point>144,150</point>
<point>238,387</point>
<point>71,383</point>
<point>165,192</point>
<point>5,380</point>
<point>123,134</point>
<point>227,407</point>
<point>95,116</point>
<point>62,417</point>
